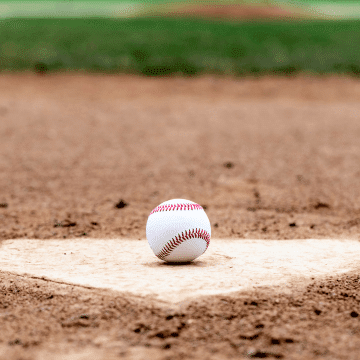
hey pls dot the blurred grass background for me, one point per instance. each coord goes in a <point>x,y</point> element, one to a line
<point>158,45</point>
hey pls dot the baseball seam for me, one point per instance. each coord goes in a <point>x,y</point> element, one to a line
<point>180,238</point>
<point>173,207</point>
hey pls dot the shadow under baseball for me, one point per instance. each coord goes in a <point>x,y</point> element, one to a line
<point>196,263</point>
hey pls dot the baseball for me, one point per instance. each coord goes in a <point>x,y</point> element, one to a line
<point>178,230</point>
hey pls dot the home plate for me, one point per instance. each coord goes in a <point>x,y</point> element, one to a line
<point>228,266</point>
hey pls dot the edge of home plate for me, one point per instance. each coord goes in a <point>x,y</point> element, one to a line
<point>228,266</point>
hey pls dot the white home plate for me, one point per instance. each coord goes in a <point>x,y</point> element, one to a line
<point>227,266</point>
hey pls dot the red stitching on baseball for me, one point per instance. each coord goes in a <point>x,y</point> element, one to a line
<point>172,207</point>
<point>180,238</point>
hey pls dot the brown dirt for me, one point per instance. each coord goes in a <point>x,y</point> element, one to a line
<point>41,320</point>
<point>270,158</point>
<point>233,11</point>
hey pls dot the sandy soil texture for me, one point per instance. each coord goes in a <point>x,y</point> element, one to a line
<point>91,156</point>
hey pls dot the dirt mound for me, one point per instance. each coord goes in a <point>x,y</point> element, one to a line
<point>245,12</point>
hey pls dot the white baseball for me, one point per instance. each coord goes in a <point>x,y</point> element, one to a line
<point>178,230</point>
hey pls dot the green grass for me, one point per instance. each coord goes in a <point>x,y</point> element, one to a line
<point>321,1</point>
<point>157,46</point>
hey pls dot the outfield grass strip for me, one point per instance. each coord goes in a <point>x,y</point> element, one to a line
<point>160,46</point>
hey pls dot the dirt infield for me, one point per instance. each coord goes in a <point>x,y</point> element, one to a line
<point>212,10</point>
<point>91,156</point>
